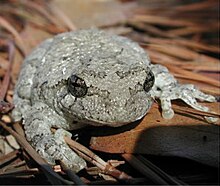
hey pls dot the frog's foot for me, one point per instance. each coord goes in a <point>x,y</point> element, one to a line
<point>53,147</point>
<point>38,121</point>
<point>188,93</point>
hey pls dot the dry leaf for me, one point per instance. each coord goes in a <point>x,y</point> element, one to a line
<point>184,136</point>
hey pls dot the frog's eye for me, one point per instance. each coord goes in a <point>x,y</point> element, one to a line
<point>149,81</point>
<point>77,86</point>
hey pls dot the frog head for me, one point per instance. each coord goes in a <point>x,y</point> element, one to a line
<point>113,93</point>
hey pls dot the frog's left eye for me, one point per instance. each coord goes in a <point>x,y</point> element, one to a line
<point>149,81</point>
<point>77,86</point>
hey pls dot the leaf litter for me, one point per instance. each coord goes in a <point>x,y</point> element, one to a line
<point>178,39</point>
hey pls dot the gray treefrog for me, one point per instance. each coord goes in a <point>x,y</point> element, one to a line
<point>89,77</point>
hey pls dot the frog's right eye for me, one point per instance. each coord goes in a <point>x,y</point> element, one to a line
<point>77,86</point>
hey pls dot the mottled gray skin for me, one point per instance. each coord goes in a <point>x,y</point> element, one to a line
<point>114,69</point>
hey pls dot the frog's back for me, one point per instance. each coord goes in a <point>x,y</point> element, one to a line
<point>70,50</point>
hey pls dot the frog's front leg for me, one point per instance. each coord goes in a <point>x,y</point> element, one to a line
<point>166,88</point>
<point>51,146</point>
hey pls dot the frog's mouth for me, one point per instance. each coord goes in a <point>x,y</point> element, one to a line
<point>95,122</point>
<point>105,123</point>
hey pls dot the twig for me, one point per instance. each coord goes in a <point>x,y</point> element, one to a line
<point>19,173</point>
<point>94,159</point>
<point>8,157</point>
<point>146,171</point>
<point>39,9</point>
<point>194,76</point>
<point>161,20</point>
<point>197,6</point>
<point>71,174</point>
<point>193,30</point>
<point>183,53</point>
<point>183,42</point>
<point>11,29</point>
<point>4,106</point>
<point>53,177</point>
<point>61,15</point>
<point>164,175</point>
<point>6,80</point>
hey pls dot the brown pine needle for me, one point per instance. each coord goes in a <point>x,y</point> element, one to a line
<point>6,80</point>
<point>196,77</point>
<point>19,41</point>
<point>94,159</point>
<point>183,53</point>
<point>8,157</point>
<point>143,169</point>
<point>61,15</point>
<point>39,9</point>
<point>203,67</point>
<point>183,42</point>
<point>178,72</point>
<point>211,90</point>
<point>203,5</point>
<point>160,20</point>
<point>194,30</point>
<point>19,173</point>
<point>52,176</point>
<point>73,176</point>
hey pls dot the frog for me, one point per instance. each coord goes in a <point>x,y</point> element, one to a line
<point>90,77</point>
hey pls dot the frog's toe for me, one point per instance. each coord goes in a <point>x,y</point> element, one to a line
<point>189,94</point>
<point>192,91</point>
<point>204,97</point>
<point>69,157</point>
<point>191,101</point>
<point>167,114</point>
<point>167,111</point>
<point>51,148</point>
